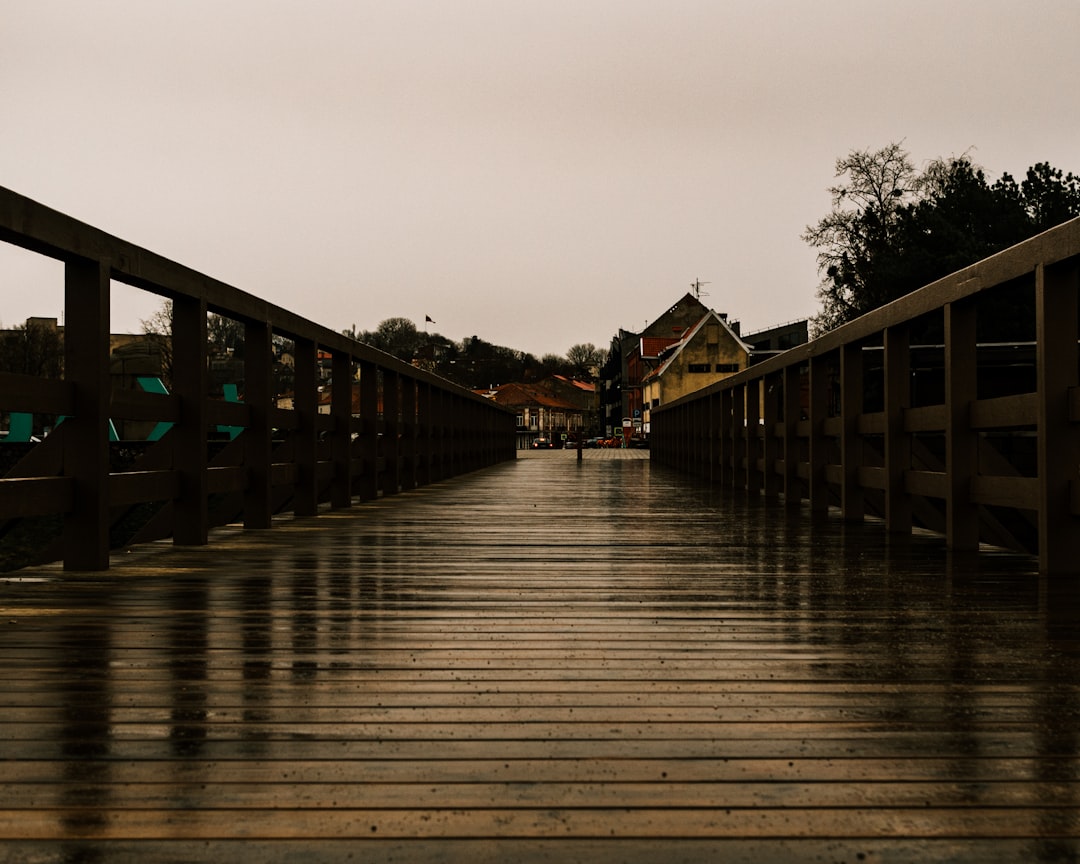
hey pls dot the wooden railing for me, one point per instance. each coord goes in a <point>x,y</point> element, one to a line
<point>74,495</point>
<point>910,414</point>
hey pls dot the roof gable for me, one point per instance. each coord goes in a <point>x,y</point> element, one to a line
<point>689,336</point>
<point>652,346</point>
<point>523,395</point>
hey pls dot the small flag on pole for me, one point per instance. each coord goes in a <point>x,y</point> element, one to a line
<point>429,318</point>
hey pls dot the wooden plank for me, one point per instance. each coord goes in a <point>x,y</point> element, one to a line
<point>872,478</point>
<point>135,487</point>
<point>284,474</point>
<point>871,423</point>
<point>36,395</point>
<point>35,496</point>
<point>224,413</point>
<point>1022,492</point>
<point>226,479</point>
<point>790,794</point>
<point>378,850</point>
<point>1005,411</point>
<point>138,405</point>
<point>930,484</point>
<point>713,820</point>
<point>925,418</point>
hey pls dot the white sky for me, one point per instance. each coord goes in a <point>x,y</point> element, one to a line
<point>535,173</point>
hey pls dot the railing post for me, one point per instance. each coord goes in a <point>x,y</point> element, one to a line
<point>693,430</point>
<point>897,442</point>
<point>391,449</point>
<point>703,449</point>
<point>961,441</point>
<point>86,433</point>
<point>424,439</point>
<point>341,435</point>
<point>368,445</point>
<point>457,440</point>
<point>716,443</point>
<point>1056,307</point>
<point>305,436</point>
<point>408,432</point>
<point>258,443</point>
<point>439,441</point>
<point>739,437</point>
<point>851,407</point>
<point>792,416</point>
<point>770,447</point>
<point>819,442</point>
<point>753,435</point>
<point>727,443</point>
<point>191,520</point>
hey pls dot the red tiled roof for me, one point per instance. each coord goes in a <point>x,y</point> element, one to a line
<point>651,346</point>
<point>520,395</point>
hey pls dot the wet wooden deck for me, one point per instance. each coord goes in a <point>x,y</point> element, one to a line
<point>545,661</point>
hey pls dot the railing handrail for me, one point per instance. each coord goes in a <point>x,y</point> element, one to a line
<point>39,228</point>
<point>805,421</point>
<point>1050,247</point>
<point>412,426</point>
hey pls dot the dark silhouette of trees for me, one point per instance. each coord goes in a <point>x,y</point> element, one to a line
<point>584,360</point>
<point>33,348</point>
<point>892,230</point>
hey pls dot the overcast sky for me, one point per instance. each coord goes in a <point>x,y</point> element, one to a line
<point>535,173</point>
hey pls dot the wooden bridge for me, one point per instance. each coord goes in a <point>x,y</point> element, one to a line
<point>783,638</point>
<point>544,661</point>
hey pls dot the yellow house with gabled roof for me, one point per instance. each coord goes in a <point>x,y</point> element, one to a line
<point>707,352</point>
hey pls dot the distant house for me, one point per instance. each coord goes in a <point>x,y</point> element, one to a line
<point>708,352</point>
<point>635,360</point>
<point>776,340</point>
<point>541,412</point>
<point>641,353</point>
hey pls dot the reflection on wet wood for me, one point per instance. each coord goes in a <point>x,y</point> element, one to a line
<point>546,661</point>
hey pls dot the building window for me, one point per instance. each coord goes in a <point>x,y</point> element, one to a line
<point>697,367</point>
<point>727,367</point>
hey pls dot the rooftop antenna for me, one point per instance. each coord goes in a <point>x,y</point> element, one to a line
<point>696,285</point>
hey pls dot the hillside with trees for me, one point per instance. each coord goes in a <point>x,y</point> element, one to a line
<point>473,362</point>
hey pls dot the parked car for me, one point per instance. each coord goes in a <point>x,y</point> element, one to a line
<point>542,444</point>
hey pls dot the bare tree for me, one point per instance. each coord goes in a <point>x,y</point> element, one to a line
<point>157,330</point>
<point>584,360</point>
<point>865,211</point>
